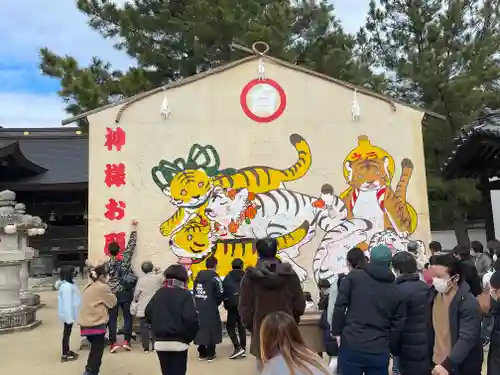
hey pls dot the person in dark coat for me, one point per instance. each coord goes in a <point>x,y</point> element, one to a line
<point>494,350</point>
<point>269,286</point>
<point>174,321</point>
<point>208,295</point>
<point>231,286</point>
<point>368,316</point>
<point>413,356</point>
<point>455,323</point>
<point>469,272</point>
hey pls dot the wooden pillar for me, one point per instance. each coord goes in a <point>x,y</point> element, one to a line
<point>484,186</point>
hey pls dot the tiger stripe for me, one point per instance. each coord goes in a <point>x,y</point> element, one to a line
<point>262,179</point>
<point>172,223</point>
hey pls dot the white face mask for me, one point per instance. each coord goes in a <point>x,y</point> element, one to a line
<point>494,257</point>
<point>441,285</point>
<point>473,253</point>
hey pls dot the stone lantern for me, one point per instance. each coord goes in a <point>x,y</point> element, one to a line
<point>15,226</point>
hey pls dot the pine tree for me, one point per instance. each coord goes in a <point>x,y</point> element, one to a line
<point>171,40</point>
<point>444,55</point>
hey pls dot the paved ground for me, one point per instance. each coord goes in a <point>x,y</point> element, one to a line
<point>38,353</point>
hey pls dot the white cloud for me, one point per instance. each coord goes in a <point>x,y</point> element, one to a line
<point>24,110</point>
<point>28,25</point>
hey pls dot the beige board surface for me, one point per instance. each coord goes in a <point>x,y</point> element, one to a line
<point>314,142</point>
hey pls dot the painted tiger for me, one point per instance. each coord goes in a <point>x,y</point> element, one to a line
<point>369,171</point>
<point>195,242</point>
<point>396,242</point>
<point>189,189</point>
<point>241,214</point>
<point>330,257</point>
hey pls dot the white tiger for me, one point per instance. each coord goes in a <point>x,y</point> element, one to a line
<point>274,214</point>
<point>396,242</point>
<point>330,257</point>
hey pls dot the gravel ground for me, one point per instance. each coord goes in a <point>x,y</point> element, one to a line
<point>37,352</point>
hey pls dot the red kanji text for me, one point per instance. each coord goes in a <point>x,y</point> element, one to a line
<point>114,175</point>
<point>115,210</point>
<point>356,156</point>
<point>119,238</point>
<point>115,138</point>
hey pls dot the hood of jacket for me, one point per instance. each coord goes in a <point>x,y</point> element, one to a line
<point>380,273</point>
<point>409,277</point>
<point>205,275</point>
<point>236,275</point>
<point>270,273</point>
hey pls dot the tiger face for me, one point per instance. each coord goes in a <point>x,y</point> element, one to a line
<point>393,241</point>
<point>190,188</point>
<point>193,242</point>
<point>224,206</point>
<point>368,174</point>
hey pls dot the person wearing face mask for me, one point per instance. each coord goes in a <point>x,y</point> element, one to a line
<point>494,350</point>
<point>455,322</point>
<point>413,352</point>
<point>469,271</point>
<point>482,261</point>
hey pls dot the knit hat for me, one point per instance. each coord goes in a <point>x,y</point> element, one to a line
<point>381,254</point>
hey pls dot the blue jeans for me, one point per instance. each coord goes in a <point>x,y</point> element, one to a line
<point>352,362</point>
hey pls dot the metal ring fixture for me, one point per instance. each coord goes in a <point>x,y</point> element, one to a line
<point>260,43</point>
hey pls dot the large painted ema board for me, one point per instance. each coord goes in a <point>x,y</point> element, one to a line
<point>257,148</point>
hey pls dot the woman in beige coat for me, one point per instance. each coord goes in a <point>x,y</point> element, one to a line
<point>145,289</point>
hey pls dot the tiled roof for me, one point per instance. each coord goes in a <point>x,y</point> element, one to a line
<point>477,149</point>
<point>61,154</point>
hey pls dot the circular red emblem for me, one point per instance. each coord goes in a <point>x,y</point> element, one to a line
<point>263,100</point>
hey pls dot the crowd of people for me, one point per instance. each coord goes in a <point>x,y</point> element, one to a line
<point>430,317</point>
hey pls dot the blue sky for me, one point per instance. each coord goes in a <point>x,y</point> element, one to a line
<point>28,99</point>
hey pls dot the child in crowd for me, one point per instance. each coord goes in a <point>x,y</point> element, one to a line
<point>283,350</point>
<point>68,305</point>
<point>145,290</point>
<point>93,318</point>
<point>174,321</point>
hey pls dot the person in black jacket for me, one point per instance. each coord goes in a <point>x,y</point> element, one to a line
<point>469,272</point>
<point>413,356</point>
<point>231,287</point>
<point>455,321</point>
<point>494,350</point>
<point>369,316</point>
<point>208,295</point>
<point>174,321</point>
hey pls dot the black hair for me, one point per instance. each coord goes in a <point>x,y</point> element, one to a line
<point>308,297</point>
<point>412,247</point>
<point>496,265</point>
<point>435,247</point>
<point>267,248</point>
<point>495,280</point>
<point>356,257</point>
<point>432,260</point>
<point>114,248</point>
<point>96,272</point>
<point>450,262</point>
<point>477,246</point>
<point>404,262</point>
<point>324,284</point>
<point>67,273</point>
<point>211,263</point>
<point>237,264</point>
<point>462,251</point>
<point>176,272</point>
<point>147,267</point>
